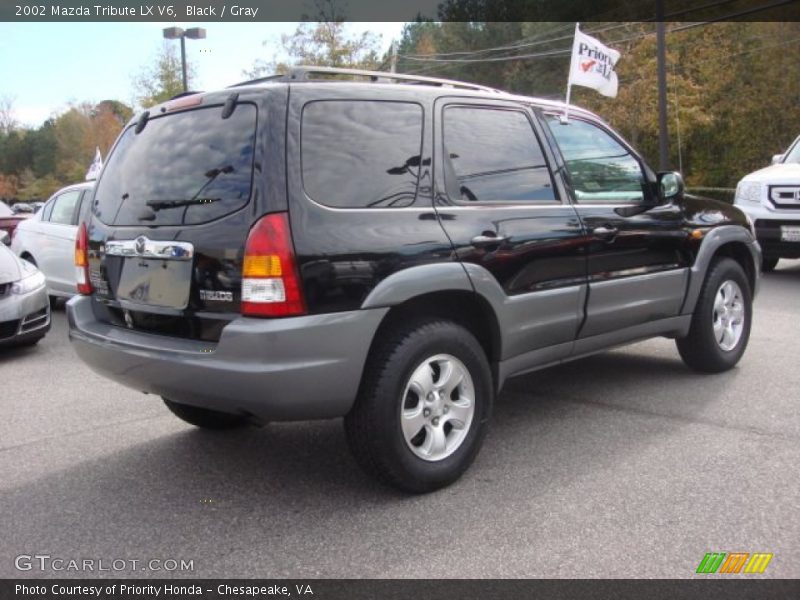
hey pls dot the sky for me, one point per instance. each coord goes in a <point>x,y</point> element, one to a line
<point>45,66</point>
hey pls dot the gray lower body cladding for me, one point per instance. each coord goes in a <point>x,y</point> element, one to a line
<point>273,369</point>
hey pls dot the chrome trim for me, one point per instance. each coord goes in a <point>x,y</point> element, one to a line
<point>146,248</point>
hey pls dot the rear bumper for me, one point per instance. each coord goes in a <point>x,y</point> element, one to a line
<point>273,369</point>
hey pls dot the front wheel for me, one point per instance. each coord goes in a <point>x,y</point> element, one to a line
<point>423,408</point>
<point>720,327</point>
<point>204,417</point>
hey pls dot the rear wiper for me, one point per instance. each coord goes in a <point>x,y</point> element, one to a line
<point>161,204</point>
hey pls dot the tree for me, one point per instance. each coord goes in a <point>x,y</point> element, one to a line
<point>322,44</point>
<point>163,78</point>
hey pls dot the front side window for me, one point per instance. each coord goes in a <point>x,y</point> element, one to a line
<point>493,155</point>
<point>601,170</point>
<point>361,154</point>
<point>64,207</point>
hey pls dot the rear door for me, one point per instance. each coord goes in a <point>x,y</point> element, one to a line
<point>638,264</point>
<point>55,244</point>
<point>510,222</point>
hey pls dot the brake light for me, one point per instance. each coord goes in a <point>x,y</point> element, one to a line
<point>82,261</point>
<point>270,280</point>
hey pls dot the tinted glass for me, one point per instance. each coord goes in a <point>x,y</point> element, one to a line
<point>358,154</point>
<point>64,208</point>
<point>600,168</point>
<point>184,168</point>
<point>494,155</point>
<point>86,205</point>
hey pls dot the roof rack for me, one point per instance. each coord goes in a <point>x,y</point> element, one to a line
<point>302,73</point>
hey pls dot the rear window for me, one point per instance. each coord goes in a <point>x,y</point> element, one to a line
<point>359,154</point>
<point>184,168</point>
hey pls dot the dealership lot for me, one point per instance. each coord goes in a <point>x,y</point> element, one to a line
<point>624,464</point>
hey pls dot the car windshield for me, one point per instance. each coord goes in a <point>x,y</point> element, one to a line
<point>793,154</point>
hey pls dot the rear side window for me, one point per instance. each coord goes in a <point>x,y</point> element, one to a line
<point>359,154</point>
<point>64,208</point>
<point>493,155</point>
<point>184,168</point>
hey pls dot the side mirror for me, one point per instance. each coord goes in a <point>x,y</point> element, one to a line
<point>778,158</point>
<point>670,186</point>
<point>5,238</point>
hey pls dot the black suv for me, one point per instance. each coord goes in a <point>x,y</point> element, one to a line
<point>389,249</point>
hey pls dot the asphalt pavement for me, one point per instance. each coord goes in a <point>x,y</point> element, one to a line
<point>624,464</point>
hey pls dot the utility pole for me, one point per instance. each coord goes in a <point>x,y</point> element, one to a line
<point>663,134</point>
<point>393,67</point>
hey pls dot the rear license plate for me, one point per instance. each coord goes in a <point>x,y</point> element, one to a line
<point>790,234</point>
<point>153,282</point>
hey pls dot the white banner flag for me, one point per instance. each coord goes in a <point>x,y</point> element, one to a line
<point>94,168</point>
<point>593,65</point>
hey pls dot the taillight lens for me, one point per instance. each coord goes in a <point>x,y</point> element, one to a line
<point>270,280</point>
<point>82,261</point>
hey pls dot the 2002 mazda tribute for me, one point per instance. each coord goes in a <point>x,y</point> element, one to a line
<point>390,249</point>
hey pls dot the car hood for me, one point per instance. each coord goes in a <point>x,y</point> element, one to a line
<point>781,173</point>
<point>13,268</point>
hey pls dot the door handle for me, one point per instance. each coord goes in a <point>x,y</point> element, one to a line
<point>605,233</point>
<point>482,240</point>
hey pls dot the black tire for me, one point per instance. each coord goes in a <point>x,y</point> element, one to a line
<point>205,418</point>
<point>53,302</point>
<point>373,426</point>
<point>768,264</point>
<point>700,349</point>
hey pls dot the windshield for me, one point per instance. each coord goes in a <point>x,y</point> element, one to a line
<point>793,154</point>
<point>185,168</point>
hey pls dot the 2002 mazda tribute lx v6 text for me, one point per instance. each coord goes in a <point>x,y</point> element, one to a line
<point>389,249</point>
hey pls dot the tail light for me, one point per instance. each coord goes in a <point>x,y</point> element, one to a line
<point>270,280</point>
<point>82,261</point>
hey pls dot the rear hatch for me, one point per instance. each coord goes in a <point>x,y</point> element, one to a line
<point>170,216</point>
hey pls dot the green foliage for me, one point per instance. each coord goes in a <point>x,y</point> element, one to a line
<point>36,162</point>
<point>322,44</point>
<point>162,78</point>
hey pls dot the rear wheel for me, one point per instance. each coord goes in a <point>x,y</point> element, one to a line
<point>721,321</point>
<point>205,418</point>
<point>423,408</point>
<point>768,264</point>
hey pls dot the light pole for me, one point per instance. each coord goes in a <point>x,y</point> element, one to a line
<point>174,33</point>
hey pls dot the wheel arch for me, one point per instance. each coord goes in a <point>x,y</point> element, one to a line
<point>731,241</point>
<point>438,291</point>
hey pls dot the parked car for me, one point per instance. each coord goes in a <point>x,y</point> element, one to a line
<point>22,207</point>
<point>9,219</point>
<point>24,309</point>
<point>47,239</point>
<point>478,236</point>
<point>771,198</point>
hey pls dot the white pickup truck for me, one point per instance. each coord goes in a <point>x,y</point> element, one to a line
<point>771,197</point>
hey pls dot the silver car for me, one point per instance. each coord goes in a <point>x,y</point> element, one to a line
<point>48,238</point>
<point>24,308</point>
